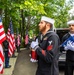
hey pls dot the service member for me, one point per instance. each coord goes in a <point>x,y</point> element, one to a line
<point>47,48</point>
<point>7,58</point>
<point>69,48</point>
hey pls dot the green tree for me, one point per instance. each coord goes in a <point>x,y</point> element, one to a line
<point>26,14</point>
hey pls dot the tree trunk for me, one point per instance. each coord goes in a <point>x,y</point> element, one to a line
<point>0,12</point>
<point>22,26</point>
<point>6,20</point>
<point>28,22</point>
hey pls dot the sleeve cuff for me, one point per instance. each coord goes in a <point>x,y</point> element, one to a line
<point>36,47</point>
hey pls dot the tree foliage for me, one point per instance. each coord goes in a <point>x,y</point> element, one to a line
<point>26,14</point>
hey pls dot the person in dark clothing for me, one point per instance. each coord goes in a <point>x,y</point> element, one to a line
<point>5,46</point>
<point>69,48</point>
<point>47,48</point>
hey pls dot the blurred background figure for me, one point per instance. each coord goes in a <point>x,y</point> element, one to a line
<point>33,52</point>
<point>18,42</point>
<point>27,40</point>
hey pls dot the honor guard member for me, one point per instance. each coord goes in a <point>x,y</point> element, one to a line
<point>5,46</point>
<point>47,49</point>
<point>69,48</point>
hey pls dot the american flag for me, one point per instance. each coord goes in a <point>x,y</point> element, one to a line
<point>18,37</point>
<point>18,40</point>
<point>70,39</point>
<point>2,38</point>
<point>26,37</point>
<point>11,39</point>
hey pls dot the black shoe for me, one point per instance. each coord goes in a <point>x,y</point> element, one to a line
<point>8,66</point>
<point>14,56</point>
<point>18,51</point>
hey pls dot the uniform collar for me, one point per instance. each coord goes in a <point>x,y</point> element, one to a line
<point>49,31</point>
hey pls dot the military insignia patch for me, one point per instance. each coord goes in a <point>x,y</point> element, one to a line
<point>49,47</point>
<point>50,42</point>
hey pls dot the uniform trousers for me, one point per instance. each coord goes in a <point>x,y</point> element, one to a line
<point>69,67</point>
<point>38,72</point>
<point>6,59</point>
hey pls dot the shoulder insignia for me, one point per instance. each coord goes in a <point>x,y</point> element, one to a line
<point>50,42</point>
<point>45,38</point>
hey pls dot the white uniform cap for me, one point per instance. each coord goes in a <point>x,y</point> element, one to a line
<point>44,18</point>
<point>70,22</point>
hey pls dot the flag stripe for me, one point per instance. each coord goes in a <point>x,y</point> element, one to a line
<point>2,56</point>
<point>2,34</point>
<point>1,66</point>
<point>2,38</point>
<point>1,28</point>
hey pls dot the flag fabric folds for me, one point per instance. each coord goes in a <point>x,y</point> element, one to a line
<point>2,38</point>
<point>70,39</point>
<point>26,37</point>
<point>18,38</point>
<point>2,33</point>
<point>11,39</point>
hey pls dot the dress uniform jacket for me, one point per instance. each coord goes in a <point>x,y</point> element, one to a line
<point>5,45</point>
<point>48,54</point>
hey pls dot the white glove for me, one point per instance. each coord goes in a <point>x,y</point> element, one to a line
<point>65,47</point>
<point>70,46</point>
<point>34,44</point>
<point>33,60</point>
